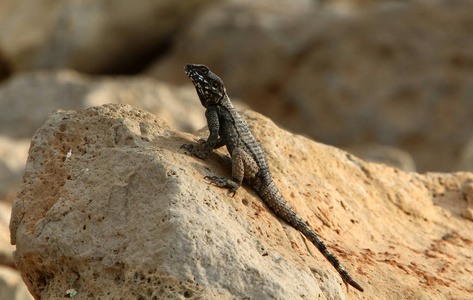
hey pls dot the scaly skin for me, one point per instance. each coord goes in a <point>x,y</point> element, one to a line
<point>227,128</point>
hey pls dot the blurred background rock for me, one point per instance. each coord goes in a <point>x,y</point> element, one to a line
<point>390,81</point>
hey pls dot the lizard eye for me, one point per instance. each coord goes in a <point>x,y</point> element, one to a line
<point>205,71</point>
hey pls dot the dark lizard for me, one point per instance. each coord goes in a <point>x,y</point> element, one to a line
<point>227,128</point>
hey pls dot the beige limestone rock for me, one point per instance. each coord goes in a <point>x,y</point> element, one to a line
<point>27,98</point>
<point>128,215</point>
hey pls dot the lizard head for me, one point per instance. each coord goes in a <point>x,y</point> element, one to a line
<point>209,86</point>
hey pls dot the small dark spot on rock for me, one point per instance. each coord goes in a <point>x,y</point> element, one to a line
<point>187,294</point>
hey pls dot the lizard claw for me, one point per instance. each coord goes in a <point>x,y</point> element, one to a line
<point>232,192</point>
<point>218,181</point>
<point>187,147</point>
<point>194,151</point>
<point>223,182</point>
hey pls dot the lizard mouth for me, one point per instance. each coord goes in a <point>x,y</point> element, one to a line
<point>195,77</point>
<point>189,71</point>
<point>198,79</point>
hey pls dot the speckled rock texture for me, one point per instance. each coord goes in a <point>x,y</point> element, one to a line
<point>112,208</point>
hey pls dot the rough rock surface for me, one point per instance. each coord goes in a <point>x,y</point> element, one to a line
<point>398,75</point>
<point>128,215</point>
<point>89,36</point>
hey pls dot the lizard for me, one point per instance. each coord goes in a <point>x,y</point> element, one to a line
<point>227,128</point>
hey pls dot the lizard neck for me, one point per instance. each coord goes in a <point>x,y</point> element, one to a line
<point>225,102</point>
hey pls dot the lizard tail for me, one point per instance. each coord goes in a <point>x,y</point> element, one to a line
<point>273,198</point>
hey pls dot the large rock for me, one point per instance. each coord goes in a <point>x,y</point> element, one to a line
<point>89,36</point>
<point>27,98</point>
<point>111,208</point>
<point>398,75</point>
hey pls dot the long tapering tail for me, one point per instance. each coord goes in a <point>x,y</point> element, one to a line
<point>273,198</point>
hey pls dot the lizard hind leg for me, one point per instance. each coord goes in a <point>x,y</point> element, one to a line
<point>224,183</point>
<point>242,166</point>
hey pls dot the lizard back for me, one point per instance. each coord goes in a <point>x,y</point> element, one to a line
<point>246,137</point>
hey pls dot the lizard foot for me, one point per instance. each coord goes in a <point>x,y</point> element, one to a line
<point>223,182</point>
<point>187,147</point>
<point>194,150</point>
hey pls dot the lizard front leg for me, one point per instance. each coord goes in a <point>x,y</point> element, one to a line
<point>201,149</point>
<point>205,148</point>
<point>243,166</point>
